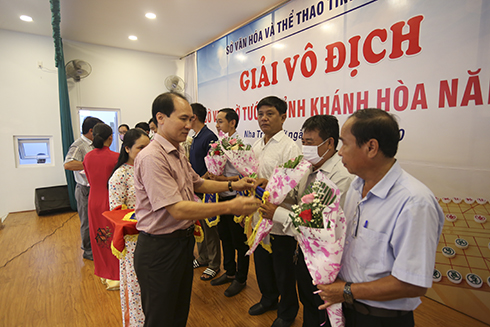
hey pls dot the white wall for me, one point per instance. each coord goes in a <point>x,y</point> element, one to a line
<point>124,79</point>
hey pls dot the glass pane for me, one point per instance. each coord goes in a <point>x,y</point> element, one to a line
<point>108,116</point>
<point>33,151</point>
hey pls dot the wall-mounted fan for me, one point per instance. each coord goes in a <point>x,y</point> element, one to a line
<point>77,69</point>
<point>174,83</point>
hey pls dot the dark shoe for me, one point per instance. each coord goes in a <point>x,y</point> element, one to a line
<point>282,323</point>
<point>88,256</point>
<point>258,309</point>
<point>223,279</point>
<point>235,288</point>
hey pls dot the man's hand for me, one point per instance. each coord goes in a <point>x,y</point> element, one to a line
<point>331,293</point>
<point>267,209</point>
<point>244,184</point>
<point>242,205</point>
<point>384,289</point>
<point>261,182</point>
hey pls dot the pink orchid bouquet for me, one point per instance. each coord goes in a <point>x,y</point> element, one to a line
<point>240,155</point>
<point>322,226</point>
<point>215,160</point>
<point>283,180</point>
<point>235,144</point>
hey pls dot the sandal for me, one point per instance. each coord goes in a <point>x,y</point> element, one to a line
<point>196,264</point>
<point>209,274</point>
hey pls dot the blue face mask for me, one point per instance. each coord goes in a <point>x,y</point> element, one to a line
<point>310,153</point>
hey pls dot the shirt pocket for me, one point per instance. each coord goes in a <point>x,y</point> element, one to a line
<point>371,252</point>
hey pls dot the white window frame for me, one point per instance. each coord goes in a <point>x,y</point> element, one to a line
<point>19,140</point>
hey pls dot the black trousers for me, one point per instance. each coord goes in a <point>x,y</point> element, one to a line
<point>233,238</point>
<point>312,317</point>
<point>276,277</point>
<point>356,319</point>
<point>163,266</point>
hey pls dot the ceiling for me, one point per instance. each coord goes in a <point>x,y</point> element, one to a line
<point>180,27</point>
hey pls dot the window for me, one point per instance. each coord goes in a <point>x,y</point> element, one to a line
<point>108,116</point>
<point>33,150</point>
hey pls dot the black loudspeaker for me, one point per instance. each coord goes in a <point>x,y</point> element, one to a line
<point>52,199</point>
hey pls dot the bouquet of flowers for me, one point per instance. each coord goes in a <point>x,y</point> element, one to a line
<point>322,226</point>
<point>240,155</point>
<point>215,160</point>
<point>234,143</point>
<point>282,181</point>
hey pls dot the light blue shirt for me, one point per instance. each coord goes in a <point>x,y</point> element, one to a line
<point>393,230</point>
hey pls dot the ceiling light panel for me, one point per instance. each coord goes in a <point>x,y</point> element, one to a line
<point>26,18</point>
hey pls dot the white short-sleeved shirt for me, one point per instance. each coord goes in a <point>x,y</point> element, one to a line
<point>278,150</point>
<point>77,151</point>
<point>393,230</point>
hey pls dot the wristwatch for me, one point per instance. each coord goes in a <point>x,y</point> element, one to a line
<point>229,186</point>
<point>348,297</point>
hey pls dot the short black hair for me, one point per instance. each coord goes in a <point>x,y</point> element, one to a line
<point>273,101</point>
<point>123,125</point>
<point>151,121</point>
<point>129,140</point>
<point>376,124</point>
<point>230,115</point>
<point>326,125</point>
<point>164,103</point>
<point>101,133</point>
<point>200,111</point>
<point>89,123</point>
<point>143,125</point>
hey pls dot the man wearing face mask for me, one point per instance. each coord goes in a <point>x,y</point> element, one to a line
<point>320,140</point>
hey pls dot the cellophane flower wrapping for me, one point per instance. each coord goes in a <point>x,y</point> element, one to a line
<point>215,164</point>
<point>282,181</point>
<point>216,160</point>
<point>323,248</point>
<point>240,155</point>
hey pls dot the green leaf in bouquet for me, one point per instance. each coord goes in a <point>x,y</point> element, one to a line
<point>292,163</point>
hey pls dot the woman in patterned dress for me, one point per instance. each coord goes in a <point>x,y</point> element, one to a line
<point>121,192</point>
<point>121,183</point>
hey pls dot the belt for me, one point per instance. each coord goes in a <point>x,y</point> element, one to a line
<point>178,233</point>
<point>375,312</point>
